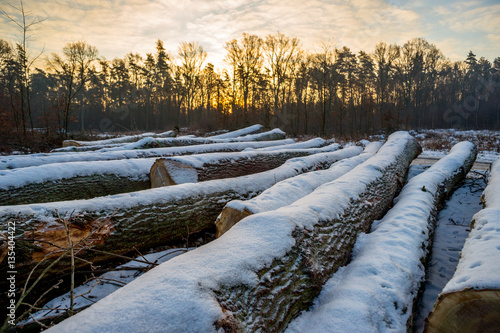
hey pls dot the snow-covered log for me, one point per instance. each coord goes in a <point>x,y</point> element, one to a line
<point>123,139</point>
<point>470,301</point>
<point>155,142</point>
<point>241,132</point>
<point>141,219</point>
<point>191,169</point>
<point>23,161</point>
<point>376,291</point>
<point>287,191</point>
<point>73,180</point>
<point>266,269</point>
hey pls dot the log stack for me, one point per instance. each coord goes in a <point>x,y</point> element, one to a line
<point>85,180</point>
<point>123,139</point>
<point>141,220</point>
<point>470,301</point>
<point>267,268</point>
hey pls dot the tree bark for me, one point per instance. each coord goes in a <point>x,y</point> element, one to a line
<point>141,220</point>
<point>470,302</point>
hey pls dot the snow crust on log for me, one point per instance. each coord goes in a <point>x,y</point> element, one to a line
<point>23,161</point>
<point>244,131</point>
<point>479,264</point>
<point>375,292</point>
<point>287,191</point>
<point>254,183</point>
<point>178,296</point>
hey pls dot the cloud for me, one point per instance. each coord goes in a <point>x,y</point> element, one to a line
<point>117,27</point>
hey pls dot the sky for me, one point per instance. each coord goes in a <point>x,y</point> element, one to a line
<point>118,27</point>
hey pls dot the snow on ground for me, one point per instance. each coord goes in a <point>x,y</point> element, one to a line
<point>376,290</point>
<point>177,296</point>
<point>23,161</point>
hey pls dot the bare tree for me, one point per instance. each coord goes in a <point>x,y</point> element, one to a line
<point>72,70</point>
<point>26,25</point>
<point>280,51</point>
<point>192,59</point>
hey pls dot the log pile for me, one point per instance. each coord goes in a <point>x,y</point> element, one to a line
<point>157,142</point>
<point>470,301</point>
<point>267,268</point>
<point>141,220</point>
<point>78,180</point>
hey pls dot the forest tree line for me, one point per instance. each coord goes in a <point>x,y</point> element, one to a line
<point>271,80</point>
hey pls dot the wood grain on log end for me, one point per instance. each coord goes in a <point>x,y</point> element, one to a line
<point>228,218</point>
<point>171,172</point>
<point>51,241</point>
<point>466,311</point>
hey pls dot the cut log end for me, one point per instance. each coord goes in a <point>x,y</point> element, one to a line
<point>171,172</point>
<point>51,241</point>
<point>228,218</point>
<point>466,311</point>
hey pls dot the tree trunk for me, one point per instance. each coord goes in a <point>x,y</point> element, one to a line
<point>470,301</point>
<point>141,220</point>
<point>191,169</point>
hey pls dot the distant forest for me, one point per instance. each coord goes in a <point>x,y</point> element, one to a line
<point>272,81</point>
